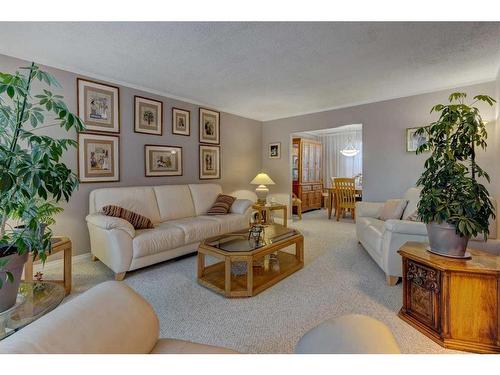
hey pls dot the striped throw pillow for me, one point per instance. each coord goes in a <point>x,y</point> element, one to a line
<point>137,221</point>
<point>222,205</point>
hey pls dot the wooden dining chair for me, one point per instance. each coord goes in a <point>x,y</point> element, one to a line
<point>345,196</point>
<point>296,202</point>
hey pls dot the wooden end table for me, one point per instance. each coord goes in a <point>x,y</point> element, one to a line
<point>58,244</point>
<point>235,247</point>
<point>264,212</point>
<point>454,302</point>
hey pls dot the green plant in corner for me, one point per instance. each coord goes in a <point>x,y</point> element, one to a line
<point>33,177</point>
<point>451,192</point>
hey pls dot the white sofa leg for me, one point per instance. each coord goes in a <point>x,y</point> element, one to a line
<point>120,276</point>
<point>391,280</point>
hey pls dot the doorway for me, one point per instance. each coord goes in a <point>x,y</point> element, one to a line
<point>319,156</point>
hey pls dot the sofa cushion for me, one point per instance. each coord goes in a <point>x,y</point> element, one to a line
<point>136,220</point>
<point>174,202</point>
<point>393,209</point>
<point>230,222</point>
<point>204,196</point>
<point>412,195</point>
<point>163,237</point>
<point>141,200</point>
<point>240,206</point>
<point>222,205</point>
<point>197,228</point>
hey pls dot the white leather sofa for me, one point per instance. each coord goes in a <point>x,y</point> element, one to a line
<point>113,319</point>
<point>178,213</point>
<point>382,239</point>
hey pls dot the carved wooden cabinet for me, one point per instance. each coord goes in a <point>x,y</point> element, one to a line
<point>452,301</point>
<point>307,172</point>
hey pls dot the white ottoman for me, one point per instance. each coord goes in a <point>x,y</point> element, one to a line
<point>349,334</point>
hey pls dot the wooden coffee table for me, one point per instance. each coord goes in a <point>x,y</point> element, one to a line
<point>235,250</point>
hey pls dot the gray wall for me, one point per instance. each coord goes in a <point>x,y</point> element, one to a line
<point>240,145</point>
<point>388,170</point>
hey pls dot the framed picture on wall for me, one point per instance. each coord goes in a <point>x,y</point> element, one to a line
<point>181,121</point>
<point>148,116</point>
<point>162,160</point>
<point>98,157</point>
<point>209,126</point>
<point>99,106</point>
<point>413,140</point>
<point>274,150</point>
<point>209,162</point>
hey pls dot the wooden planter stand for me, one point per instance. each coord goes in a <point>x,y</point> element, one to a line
<point>452,301</point>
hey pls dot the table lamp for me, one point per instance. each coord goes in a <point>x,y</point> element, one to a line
<point>262,179</point>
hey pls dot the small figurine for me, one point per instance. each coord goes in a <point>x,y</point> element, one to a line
<point>255,233</point>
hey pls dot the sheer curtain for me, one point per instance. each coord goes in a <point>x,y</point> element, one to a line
<point>334,163</point>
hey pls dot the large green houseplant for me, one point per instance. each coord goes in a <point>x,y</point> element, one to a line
<point>453,203</point>
<point>32,176</point>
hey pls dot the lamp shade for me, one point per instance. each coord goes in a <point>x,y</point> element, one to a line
<point>262,179</point>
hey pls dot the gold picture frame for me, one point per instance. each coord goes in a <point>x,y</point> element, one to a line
<point>98,157</point>
<point>413,141</point>
<point>209,123</point>
<point>148,116</point>
<point>181,121</point>
<point>210,162</point>
<point>160,160</point>
<point>98,106</point>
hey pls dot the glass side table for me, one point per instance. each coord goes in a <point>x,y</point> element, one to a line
<point>34,300</point>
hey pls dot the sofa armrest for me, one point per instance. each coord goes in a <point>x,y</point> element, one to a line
<point>406,227</point>
<point>110,222</point>
<point>240,206</point>
<point>368,209</point>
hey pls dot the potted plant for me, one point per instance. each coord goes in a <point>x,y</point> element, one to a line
<point>32,176</point>
<point>453,203</point>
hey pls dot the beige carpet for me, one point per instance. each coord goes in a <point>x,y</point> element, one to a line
<point>338,278</point>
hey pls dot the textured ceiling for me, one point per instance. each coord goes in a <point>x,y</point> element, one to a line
<point>267,70</point>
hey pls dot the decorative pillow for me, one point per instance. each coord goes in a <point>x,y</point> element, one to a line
<point>222,205</point>
<point>137,221</point>
<point>413,217</point>
<point>240,206</point>
<point>393,209</point>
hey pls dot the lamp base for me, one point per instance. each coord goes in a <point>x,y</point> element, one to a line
<point>261,192</point>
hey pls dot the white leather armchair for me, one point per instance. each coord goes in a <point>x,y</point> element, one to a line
<point>382,239</point>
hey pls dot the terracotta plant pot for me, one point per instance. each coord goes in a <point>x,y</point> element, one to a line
<point>8,292</point>
<point>444,240</point>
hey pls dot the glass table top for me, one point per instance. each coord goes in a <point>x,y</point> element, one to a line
<point>240,241</point>
<point>34,300</point>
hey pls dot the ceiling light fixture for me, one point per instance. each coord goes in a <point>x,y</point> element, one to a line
<point>349,149</point>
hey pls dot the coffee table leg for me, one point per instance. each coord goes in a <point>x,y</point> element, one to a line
<point>299,250</point>
<point>201,264</point>
<point>227,281</point>
<point>250,276</point>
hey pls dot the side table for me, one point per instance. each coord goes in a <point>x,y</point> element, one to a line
<point>58,244</point>
<point>264,212</point>
<point>454,302</point>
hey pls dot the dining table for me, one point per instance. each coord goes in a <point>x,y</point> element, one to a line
<point>331,198</point>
